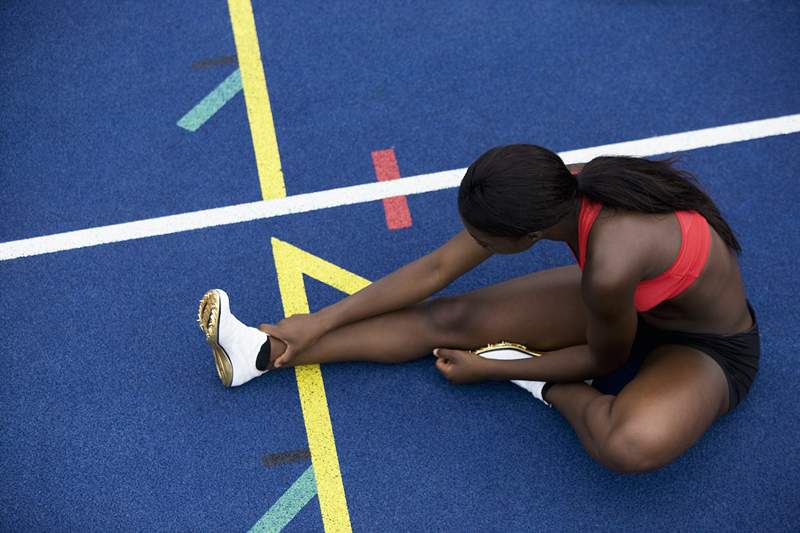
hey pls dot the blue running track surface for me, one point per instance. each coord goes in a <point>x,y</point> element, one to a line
<point>113,417</point>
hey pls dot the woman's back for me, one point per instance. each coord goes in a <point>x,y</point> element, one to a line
<point>714,303</point>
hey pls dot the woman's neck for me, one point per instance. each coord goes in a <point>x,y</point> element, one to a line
<point>567,229</point>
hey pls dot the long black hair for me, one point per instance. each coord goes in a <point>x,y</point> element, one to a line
<point>517,189</point>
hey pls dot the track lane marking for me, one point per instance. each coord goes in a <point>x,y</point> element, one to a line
<point>213,102</point>
<point>214,61</point>
<point>288,505</point>
<point>398,215</point>
<point>291,265</point>
<point>368,192</point>
<point>271,460</point>
<point>256,97</point>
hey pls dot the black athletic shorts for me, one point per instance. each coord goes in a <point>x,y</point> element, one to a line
<point>738,356</point>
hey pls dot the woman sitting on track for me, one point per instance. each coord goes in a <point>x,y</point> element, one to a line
<point>657,275</point>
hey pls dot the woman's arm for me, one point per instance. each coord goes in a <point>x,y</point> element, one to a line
<point>409,284</point>
<point>567,365</point>
<point>607,286</point>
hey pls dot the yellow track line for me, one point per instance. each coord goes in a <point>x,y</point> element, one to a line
<point>291,264</point>
<point>256,97</point>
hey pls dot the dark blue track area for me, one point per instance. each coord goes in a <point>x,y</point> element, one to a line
<point>113,416</point>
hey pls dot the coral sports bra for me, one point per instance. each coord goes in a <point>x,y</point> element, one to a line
<point>692,257</point>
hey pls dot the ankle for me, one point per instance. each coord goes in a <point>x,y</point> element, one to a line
<point>277,347</point>
<point>545,390</point>
<point>269,352</point>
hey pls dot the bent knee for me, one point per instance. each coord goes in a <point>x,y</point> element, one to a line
<point>633,449</point>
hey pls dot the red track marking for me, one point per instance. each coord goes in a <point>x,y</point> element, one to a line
<point>397,214</point>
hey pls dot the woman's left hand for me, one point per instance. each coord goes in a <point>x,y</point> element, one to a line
<point>460,366</point>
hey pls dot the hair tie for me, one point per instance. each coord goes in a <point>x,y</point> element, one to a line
<point>576,175</point>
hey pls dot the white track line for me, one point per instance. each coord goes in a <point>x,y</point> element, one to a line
<point>369,192</point>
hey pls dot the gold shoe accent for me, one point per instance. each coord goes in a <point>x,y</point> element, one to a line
<point>208,317</point>
<point>505,344</point>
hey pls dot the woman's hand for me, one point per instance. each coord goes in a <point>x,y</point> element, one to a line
<point>460,366</point>
<point>299,332</point>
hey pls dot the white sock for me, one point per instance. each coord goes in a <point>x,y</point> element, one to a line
<point>534,387</point>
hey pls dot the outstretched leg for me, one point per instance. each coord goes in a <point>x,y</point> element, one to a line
<point>677,394</point>
<point>543,310</point>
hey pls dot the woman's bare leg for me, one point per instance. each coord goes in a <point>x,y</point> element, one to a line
<point>677,394</point>
<point>543,310</point>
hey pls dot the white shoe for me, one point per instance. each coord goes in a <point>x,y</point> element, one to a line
<point>508,351</point>
<point>235,345</point>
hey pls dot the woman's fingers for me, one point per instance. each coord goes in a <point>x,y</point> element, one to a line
<point>449,355</point>
<point>285,358</point>
<point>269,329</point>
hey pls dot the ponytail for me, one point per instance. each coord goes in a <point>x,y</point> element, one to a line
<point>650,186</point>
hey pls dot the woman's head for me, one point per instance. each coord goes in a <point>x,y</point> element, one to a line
<point>510,194</point>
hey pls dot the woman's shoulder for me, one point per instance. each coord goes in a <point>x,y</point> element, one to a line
<point>621,246</point>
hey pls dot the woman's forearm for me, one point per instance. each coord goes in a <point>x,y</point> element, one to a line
<point>407,285</point>
<point>575,363</point>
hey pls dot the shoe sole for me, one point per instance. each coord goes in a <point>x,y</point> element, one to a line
<point>506,346</point>
<point>208,317</point>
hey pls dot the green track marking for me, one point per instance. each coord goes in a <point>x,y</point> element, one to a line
<point>288,505</point>
<point>212,103</point>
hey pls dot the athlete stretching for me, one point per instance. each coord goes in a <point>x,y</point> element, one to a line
<point>657,275</point>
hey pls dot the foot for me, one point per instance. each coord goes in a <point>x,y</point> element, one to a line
<point>508,351</point>
<point>235,346</point>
